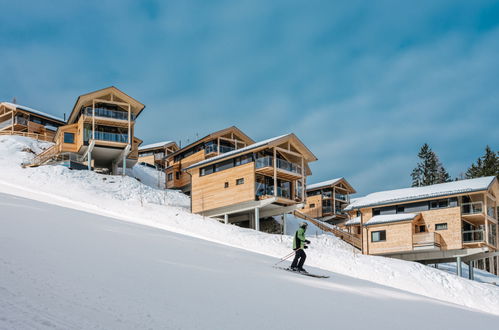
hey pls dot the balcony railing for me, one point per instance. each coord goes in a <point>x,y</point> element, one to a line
<point>17,121</point>
<point>112,137</point>
<point>101,112</point>
<point>327,209</point>
<point>426,240</point>
<point>6,123</point>
<point>491,212</point>
<point>341,197</point>
<point>268,190</point>
<point>473,236</point>
<point>159,156</point>
<point>224,149</point>
<point>472,208</point>
<point>282,164</point>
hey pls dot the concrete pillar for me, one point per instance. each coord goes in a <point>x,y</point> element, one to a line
<point>89,160</point>
<point>284,224</point>
<point>458,265</point>
<point>257,219</point>
<point>124,165</point>
<point>471,274</point>
<point>226,219</point>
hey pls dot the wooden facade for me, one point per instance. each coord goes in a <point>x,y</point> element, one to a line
<point>454,222</point>
<point>212,145</point>
<point>157,153</point>
<point>269,176</point>
<point>327,200</point>
<point>20,120</point>
<point>99,133</point>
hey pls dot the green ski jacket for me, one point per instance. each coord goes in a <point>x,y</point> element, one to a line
<point>299,240</point>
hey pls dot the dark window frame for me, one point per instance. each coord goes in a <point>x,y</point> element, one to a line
<point>239,181</point>
<point>382,236</point>
<point>72,137</point>
<point>444,226</point>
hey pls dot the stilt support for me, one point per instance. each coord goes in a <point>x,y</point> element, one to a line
<point>226,219</point>
<point>257,219</point>
<point>471,274</point>
<point>459,266</point>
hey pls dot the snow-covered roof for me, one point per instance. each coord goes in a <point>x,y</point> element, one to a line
<point>387,218</point>
<point>323,184</point>
<point>38,112</point>
<point>155,145</point>
<point>353,221</point>
<point>418,193</point>
<point>238,151</point>
<point>50,127</point>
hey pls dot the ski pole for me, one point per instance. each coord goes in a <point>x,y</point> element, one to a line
<point>285,258</point>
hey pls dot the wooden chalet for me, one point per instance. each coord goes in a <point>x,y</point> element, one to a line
<point>155,154</point>
<point>20,120</point>
<point>327,200</point>
<point>260,180</point>
<point>99,133</point>
<point>439,223</point>
<point>214,144</point>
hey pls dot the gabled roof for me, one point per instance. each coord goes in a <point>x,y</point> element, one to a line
<point>216,134</point>
<point>308,155</point>
<point>156,145</point>
<point>330,183</point>
<point>421,193</point>
<point>34,111</point>
<point>389,218</point>
<point>137,107</point>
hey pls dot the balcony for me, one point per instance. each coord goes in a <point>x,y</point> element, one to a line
<point>159,156</point>
<point>472,208</point>
<point>327,209</point>
<point>105,136</point>
<point>426,241</point>
<point>17,121</point>
<point>473,236</point>
<point>341,197</point>
<point>263,190</point>
<point>106,113</point>
<point>287,169</point>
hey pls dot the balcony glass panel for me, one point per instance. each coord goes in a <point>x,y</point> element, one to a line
<point>263,162</point>
<point>114,114</point>
<point>472,236</point>
<point>6,123</point>
<point>472,208</point>
<point>282,164</point>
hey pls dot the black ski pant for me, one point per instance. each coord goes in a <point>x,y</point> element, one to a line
<point>299,259</point>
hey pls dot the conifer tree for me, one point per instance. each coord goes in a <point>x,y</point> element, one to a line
<point>429,169</point>
<point>487,165</point>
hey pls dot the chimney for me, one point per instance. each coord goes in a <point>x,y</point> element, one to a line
<point>64,116</point>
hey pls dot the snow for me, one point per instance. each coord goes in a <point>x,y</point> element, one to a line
<point>149,176</point>
<point>66,269</point>
<point>353,221</point>
<point>38,112</point>
<point>387,218</point>
<point>155,145</point>
<point>323,184</point>
<point>238,151</point>
<point>415,193</point>
<point>125,198</point>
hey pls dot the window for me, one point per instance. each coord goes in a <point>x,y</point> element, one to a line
<point>312,206</point>
<point>226,185</point>
<point>69,137</point>
<point>239,181</point>
<point>441,226</point>
<point>421,229</point>
<point>376,211</point>
<point>170,176</point>
<point>378,236</point>
<point>177,175</point>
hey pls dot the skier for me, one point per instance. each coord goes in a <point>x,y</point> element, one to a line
<point>299,246</point>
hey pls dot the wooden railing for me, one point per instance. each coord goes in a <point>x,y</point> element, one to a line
<point>36,136</point>
<point>427,239</point>
<point>44,156</point>
<point>345,236</point>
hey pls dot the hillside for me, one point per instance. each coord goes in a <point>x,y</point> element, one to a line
<point>127,199</point>
<point>67,269</point>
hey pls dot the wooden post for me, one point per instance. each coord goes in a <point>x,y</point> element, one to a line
<point>274,161</point>
<point>13,122</point>
<point>486,218</point>
<point>334,201</point>
<point>218,145</point>
<point>129,124</point>
<point>302,179</point>
<point>93,119</point>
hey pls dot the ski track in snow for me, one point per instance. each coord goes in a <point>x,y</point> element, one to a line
<point>126,199</point>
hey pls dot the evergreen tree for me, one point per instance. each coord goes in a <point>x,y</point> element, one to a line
<point>429,169</point>
<point>487,165</point>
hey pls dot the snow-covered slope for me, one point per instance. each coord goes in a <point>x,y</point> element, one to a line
<point>66,269</point>
<point>127,199</point>
<point>149,176</point>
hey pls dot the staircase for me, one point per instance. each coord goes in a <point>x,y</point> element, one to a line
<point>345,236</point>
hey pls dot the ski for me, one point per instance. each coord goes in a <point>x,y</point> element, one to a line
<point>304,274</point>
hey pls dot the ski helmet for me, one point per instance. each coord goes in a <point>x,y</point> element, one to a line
<point>303,224</point>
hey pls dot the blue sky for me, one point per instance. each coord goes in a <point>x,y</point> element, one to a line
<point>363,83</point>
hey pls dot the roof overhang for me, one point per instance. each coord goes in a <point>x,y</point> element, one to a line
<point>86,99</point>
